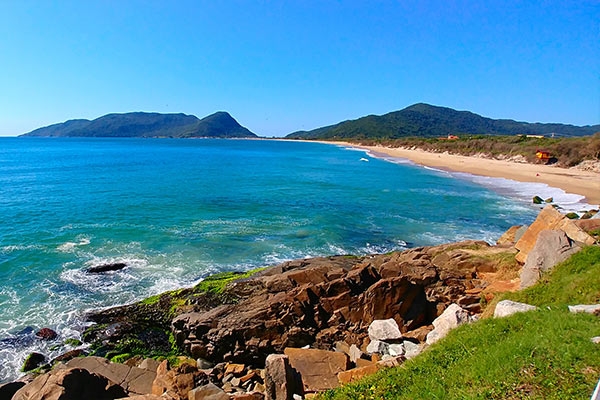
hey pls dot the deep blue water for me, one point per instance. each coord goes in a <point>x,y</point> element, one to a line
<point>177,210</point>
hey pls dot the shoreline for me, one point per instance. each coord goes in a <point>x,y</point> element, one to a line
<point>584,183</point>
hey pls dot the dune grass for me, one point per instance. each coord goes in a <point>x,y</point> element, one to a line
<point>543,354</point>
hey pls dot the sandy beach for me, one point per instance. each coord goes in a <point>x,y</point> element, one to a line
<point>585,183</point>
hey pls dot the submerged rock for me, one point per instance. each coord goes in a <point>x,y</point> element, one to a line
<point>106,268</point>
<point>46,334</point>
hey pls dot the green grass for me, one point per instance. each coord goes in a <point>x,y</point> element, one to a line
<point>216,283</point>
<point>545,354</point>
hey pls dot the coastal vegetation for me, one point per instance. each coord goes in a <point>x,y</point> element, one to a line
<point>427,121</point>
<point>566,152</point>
<point>544,354</point>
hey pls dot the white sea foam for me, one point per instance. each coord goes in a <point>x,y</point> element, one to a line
<point>69,247</point>
<point>525,191</point>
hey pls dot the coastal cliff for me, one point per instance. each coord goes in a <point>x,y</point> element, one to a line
<point>328,320</point>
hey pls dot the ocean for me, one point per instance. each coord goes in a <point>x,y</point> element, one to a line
<point>176,210</point>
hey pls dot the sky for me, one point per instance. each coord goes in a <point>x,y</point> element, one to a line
<point>282,66</point>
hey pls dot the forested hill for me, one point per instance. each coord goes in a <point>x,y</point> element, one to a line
<point>424,120</point>
<point>140,124</point>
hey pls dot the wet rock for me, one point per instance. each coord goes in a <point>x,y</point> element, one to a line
<point>46,334</point>
<point>505,308</point>
<point>33,361</point>
<point>537,200</point>
<point>106,268</point>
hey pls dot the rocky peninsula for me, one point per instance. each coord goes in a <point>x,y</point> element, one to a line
<point>300,327</point>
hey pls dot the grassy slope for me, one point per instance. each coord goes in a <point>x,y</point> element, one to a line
<point>546,354</point>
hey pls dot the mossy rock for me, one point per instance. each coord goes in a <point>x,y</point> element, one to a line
<point>572,215</point>
<point>33,361</point>
<point>549,200</point>
<point>537,200</point>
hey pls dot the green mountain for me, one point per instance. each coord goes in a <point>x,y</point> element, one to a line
<point>140,124</point>
<point>424,120</point>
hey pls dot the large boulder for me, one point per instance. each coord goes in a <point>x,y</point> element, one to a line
<point>452,317</point>
<point>548,218</point>
<point>551,248</point>
<point>70,384</point>
<point>317,368</point>
<point>132,379</point>
<point>505,308</point>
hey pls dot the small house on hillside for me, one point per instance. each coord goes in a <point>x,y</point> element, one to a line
<point>543,155</point>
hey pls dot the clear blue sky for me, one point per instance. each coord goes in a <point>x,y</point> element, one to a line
<point>281,66</point>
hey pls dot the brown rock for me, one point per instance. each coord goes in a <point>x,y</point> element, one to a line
<point>575,232</point>
<point>132,379</point>
<point>548,218</point>
<point>588,225</point>
<point>318,368</point>
<point>46,334</point>
<point>280,382</point>
<point>207,392</point>
<point>70,383</point>
<point>358,373</point>
<point>176,383</point>
<point>235,369</point>
<point>508,238</point>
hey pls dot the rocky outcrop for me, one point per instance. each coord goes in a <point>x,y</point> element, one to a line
<point>318,302</point>
<point>550,219</point>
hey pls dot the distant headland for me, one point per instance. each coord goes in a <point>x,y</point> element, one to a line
<point>148,125</point>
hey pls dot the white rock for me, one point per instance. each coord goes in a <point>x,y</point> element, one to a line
<point>452,317</point>
<point>596,340</point>
<point>384,329</point>
<point>508,307</point>
<point>396,349</point>
<point>354,353</point>
<point>586,308</point>
<point>411,349</point>
<point>377,346</point>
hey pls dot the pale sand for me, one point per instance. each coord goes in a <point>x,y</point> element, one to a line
<point>585,183</point>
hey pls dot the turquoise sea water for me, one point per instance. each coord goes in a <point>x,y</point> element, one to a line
<point>177,210</point>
